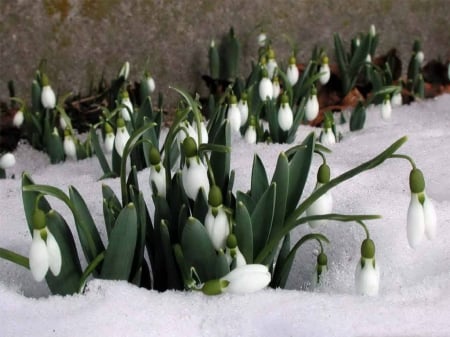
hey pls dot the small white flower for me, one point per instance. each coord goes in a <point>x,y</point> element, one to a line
<point>62,123</point>
<point>69,147</point>
<point>109,142</point>
<point>250,134</point>
<point>276,89</point>
<point>396,99</point>
<point>217,227</point>
<point>243,108</point>
<point>265,89</point>
<point>415,223</point>
<point>125,70</point>
<point>368,58</point>
<point>292,72</point>
<point>325,73</point>
<point>323,205</point>
<point>327,137</point>
<point>262,39</point>
<point>271,66</point>
<point>367,277</point>
<point>373,30</point>
<point>18,119</point>
<point>7,160</point>
<point>187,130</point>
<point>158,177</point>
<point>48,98</point>
<point>240,259</point>
<point>285,117</point>
<point>121,138</point>
<point>234,116</point>
<point>311,108</point>
<point>194,177</point>
<point>386,109</point>
<point>420,56</point>
<point>127,108</point>
<point>151,84</point>
<point>247,279</point>
<point>203,133</point>
<point>44,255</point>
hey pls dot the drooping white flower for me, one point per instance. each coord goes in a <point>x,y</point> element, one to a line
<point>271,64</point>
<point>109,138</point>
<point>420,56</point>
<point>250,134</point>
<point>369,58</point>
<point>125,70</point>
<point>367,274</point>
<point>203,133</point>
<point>321,269</point>
<point>48,98</point>
<point>386,109</point>
<point>373,30</point>
<point>324,71</point>
<point>276,89</point>
<point>285,114</point>
<point>194,174</point>
<point>243,108</point>
<point>312,106</point>
<point>69,146</point>
<point>18,119</point>
<point>186,130</point>
<point>327,138</point>
<point>265,87</point>
<point>430,218</point>
<point>235,254</point>
<point>217,226</point>
<point>122,137</point>
<point>7,160</point>
<point>127,106</point>
<point>262,39</point>
<point>292,72</point>
<point>151,83</point>
<point>396,99</point>
<point>324,204</point>
<point>44,254</point>
<point>234,114</point>
<point>157,172</point>
<point>247,279</point>
<point>415,221</point>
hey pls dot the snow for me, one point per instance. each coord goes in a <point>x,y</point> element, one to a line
<point>414,297</point>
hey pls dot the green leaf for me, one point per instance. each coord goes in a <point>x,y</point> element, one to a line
<point>282,255</point>
<point>111,207</point>
<point>99,153</point>
<point>259,181</point>
<point>358,117</point>
<point>220,161</point>
<point>55,148</point>
<point>281,179</point>
<point>120,252</point>
<point>14,258</point>
<point>262,217</point>
<point>68,280</point>
<point>244,232</point>
<point>173,275</point>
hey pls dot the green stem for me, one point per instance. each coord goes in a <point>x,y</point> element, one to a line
<point>15,258</point>
<point>404,156</point>
<point>90,269</point>
<point>363,225</point>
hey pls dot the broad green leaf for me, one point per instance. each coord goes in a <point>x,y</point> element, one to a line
<point>282,255</point>
<point>173,275</point>
<point>358,117</point>
<point>68,280</point>
<point>244,232</point>
<point>248,202</point>
<point>122,243</point>
<point>262,217</point>
<point>220,161</point>
<point>259,181</point>
<point>111,207</point>
<point>281,179</point>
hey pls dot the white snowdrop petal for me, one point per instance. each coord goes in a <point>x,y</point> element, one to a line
<point>7,160</point>
<point>396,99</point>
<point>121,140</point>
<point>48,98</point>
<point>54,254</point>
<point>323,205</point>
<point>243,108</point>
<point>415,223</point>
<point>38,257</point>
<point>194,178</point>
<point>265,89</point>
<point>247,279</point>
<point>325,74</point>
<point>126,109</point>
<point>151,84</point>
<point>109,142</point>
<point>234,117</point>
<point>18,119</point>
<point>159,179</point>
<point>367,278</point>
<point>69,147</point>
<point>285,117</point>
<point>292,74</point>
<point>217,228</point>
<point>386,110</point>
<point>327,137</point>
<point>430,219</point>
<point>276,89</point>
<point>311,108</point>
<point>250,135</point>
<point>271,66</point>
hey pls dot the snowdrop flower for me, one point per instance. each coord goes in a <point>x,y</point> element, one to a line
<point>125,70</point>
<point>69,146</point>
<point>265,87</point>
<point>271,64</point>
<point>417,50</point>
<point>216,220</point>
<point>324,204</point>
<point>243,108</point>
<point>157,173</point>
<point>292,72</point>
<point>262,39</point>
<point>44,251</point>
<point>276,89</point>
<point>367,274</point>
<point>194,173</point>
<point>241,280</point>
<point>250,133</point>
<point>127,106</point>
<point>7,160</point>
<point>312,106</point>
<point>386,108</point>
<point>420,57</point>
<point>150,83</point>
<point>327,137</point>
<point>321,269</point>
<point>109,138</point>
<point>324,70</point>
<point>233,254</point>
<point>48,98</point>
<point>186,130</point>
<point>18,118</point>
<point>233,114</point>
<point>368,58</point>
<point>122,136</point>
<point>203,133</point>
<point>396,99</point>
<point>421,217</point>
<point>285,114</point>
<point>372,31</point>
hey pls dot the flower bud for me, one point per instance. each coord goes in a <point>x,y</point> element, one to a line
<point>323,174</point>
<point>39,218</point>
<point>292,72</point>
<point>265,87</point>
<point>215,196</point>
<point>368,249</point>
<point>234,114</point>
<point>189,147</point>
<point>7,160</point>
<point>154,156</point>
<point>416,181</point>
<point>18,119</point>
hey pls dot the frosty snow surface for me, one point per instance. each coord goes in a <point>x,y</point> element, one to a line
<point>414,297</point>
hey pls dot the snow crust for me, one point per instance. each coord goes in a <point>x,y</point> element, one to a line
<point>414,297</point>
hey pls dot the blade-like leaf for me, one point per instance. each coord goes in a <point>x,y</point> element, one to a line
<point>244,232</point>
<point>259,181</point>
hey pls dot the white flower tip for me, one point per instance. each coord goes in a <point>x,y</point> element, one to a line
<point>7,160</point>
<point>38,257</point>
<point>54,254</point>
<point>367,278</point>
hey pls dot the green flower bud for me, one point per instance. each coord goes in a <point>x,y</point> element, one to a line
<point>120,123</point>
<point>244,96</point>
<point>38,218</point>
<point>292,60</point>
<point>44,80</point>
<point>416,181</point>
<point>313,90</point>
<point>368,249</point>
<point>124,94</point>
<point>233,99</point>
<point>214,287</point>
<point>43,234</point>
<point>322,259</point>
<point>189,147</point>
<point>324,59</point>
<point>284,99</point>
<point>231,241</point>
<point>270,53</point>
<point>67,132</point>
<point>323,175</point>
<point>154,156</point>
<point>108,128</point>
<point>215,196</point>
